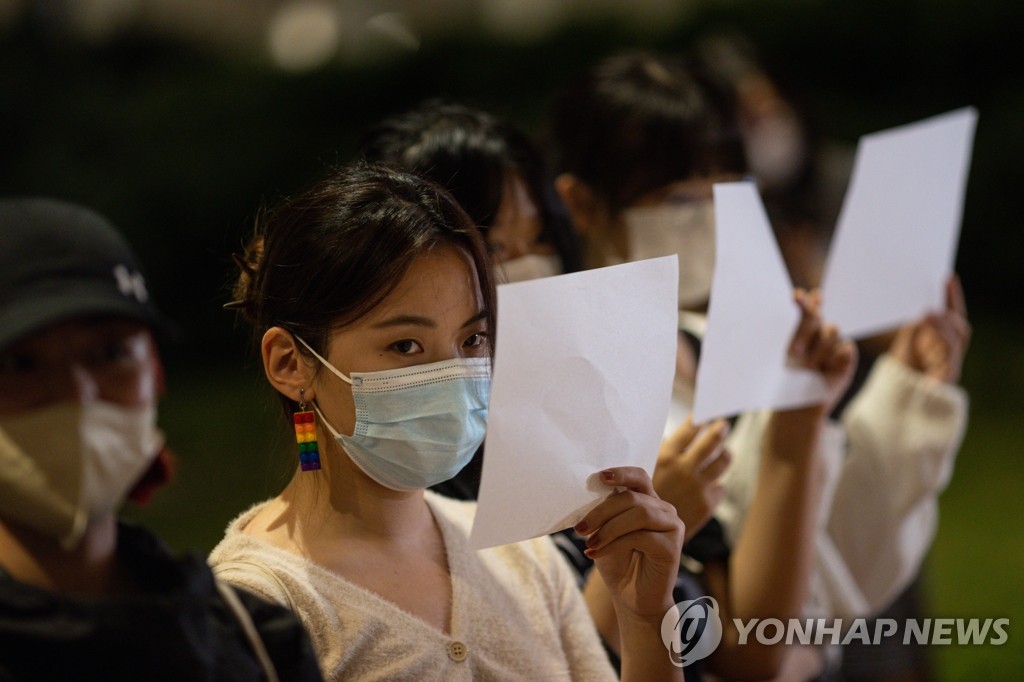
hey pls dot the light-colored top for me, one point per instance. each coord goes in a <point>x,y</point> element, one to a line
<point>885,463</point>
<point>517,613</point>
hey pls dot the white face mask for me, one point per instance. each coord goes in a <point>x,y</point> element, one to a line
<point>67,463</point>
<point>685,230</point>
<point>530,266</point>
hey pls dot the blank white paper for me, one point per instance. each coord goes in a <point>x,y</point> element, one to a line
<point>751,317</point>
<point>896,238</point>
<point>583,373</point>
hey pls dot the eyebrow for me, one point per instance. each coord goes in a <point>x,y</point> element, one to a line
<point>420,321</point>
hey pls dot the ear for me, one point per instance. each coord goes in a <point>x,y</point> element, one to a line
<point>285,367</point>
<point>587,212</point>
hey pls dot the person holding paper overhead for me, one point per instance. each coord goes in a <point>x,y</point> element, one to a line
<point>641,139</point>
<point>371,299</point>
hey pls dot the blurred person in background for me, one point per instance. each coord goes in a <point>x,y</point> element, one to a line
<point>82,593</point>
<point>494,171</point>
<point>640,139</point>
<point>802,178</point>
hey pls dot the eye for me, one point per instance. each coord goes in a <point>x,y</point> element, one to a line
<point>115,351</point>
<point>497,249</point>
<point>118,351</point>
<point>477,340</point>
<point>406,347</point>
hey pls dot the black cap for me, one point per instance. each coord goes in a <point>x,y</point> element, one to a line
<point>60,261</point>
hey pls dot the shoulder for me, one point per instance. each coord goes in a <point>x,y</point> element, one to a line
<point>277,630</point>
<point>255,565</point>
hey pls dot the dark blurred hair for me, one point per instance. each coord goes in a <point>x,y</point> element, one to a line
<point>472,154</point>
<point>637,121</point>
<point>325,259</point>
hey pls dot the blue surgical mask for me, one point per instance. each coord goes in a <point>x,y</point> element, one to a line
<point>415,426</point>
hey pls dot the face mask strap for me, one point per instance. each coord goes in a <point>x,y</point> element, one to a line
<point>324,420</point>
<point>323,361</point>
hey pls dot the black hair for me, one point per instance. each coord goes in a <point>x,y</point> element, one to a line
<point>637,121</point>
<point>328,257</point>
<point>472,154</point>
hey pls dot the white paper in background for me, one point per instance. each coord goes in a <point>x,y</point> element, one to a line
<point>895,241</point>
<point>582,379</point>
<point>751,317</point>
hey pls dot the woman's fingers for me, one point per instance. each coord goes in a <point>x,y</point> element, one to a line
<point>632,518</point>
<point>679,439</point>
<point>639,491</point>
<point>650,544</point>
<point>714,468</point>
<point>955,300</point>
<point>822,346</point>
<point>631,478</point>
<point>810,322</point>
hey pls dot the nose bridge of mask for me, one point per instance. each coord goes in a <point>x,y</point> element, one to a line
<point>439,372</point>
<point>323,361</point>
<point>406,377</point>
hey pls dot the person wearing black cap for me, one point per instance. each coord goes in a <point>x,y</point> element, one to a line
<point>83,593</point>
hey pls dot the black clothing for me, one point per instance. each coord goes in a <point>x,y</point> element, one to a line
<point>179,628</point>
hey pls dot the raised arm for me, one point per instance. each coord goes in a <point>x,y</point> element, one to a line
<point>690,463</point>
<point>903,428</point>
<point>768,574</point>
<point>635,540</point>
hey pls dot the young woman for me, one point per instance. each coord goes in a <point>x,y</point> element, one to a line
<point>83,595</point>
<point>495,173</point>
<point>372,303</point>
<point>640,140</point>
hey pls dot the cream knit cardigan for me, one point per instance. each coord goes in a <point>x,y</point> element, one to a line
<point>517,613</point>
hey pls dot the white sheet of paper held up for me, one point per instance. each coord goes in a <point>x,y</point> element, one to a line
<point>583,373</point>
<point>896,238</point>
<point>751,317</point>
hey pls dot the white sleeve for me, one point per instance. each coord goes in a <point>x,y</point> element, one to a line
<point>903,430</point>
<point>831,581</point>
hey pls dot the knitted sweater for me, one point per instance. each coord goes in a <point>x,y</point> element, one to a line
<point>517,613</point>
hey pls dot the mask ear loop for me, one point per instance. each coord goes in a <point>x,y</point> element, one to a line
<point>337,373</point>
<point>305,435</point>
<point>324,362</point>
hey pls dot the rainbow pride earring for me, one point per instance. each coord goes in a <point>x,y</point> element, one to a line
<point>305,435</point>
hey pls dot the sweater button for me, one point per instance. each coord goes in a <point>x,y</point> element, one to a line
<point>457,651</point>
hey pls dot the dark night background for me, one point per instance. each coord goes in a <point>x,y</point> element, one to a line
<point>180,137</point>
